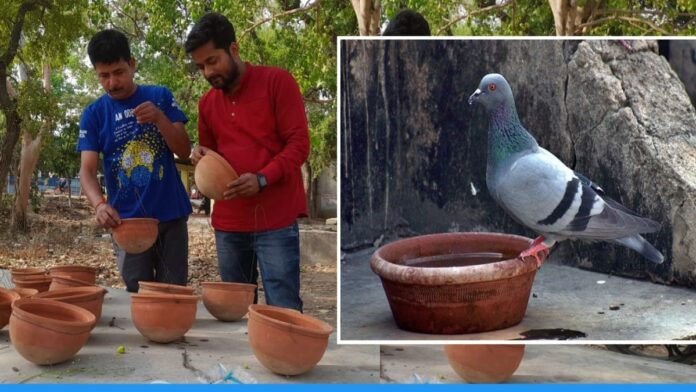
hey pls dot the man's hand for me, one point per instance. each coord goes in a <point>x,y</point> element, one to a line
<point>107,216</point>
<point>148,112</point>
<point>198,153</point>
<point>246,185</point>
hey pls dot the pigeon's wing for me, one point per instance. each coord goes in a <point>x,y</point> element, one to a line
<point>548,197</point>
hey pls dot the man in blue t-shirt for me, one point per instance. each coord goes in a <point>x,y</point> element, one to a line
<point>136,128</point>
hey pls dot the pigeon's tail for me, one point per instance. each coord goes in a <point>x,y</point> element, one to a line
<point>640,245</point>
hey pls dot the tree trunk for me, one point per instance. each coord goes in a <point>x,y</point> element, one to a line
<point>27,163</point>
<point>368,13</point>
<point>12,133</point>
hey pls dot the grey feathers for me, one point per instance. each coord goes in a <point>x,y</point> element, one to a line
<point>541,192</point>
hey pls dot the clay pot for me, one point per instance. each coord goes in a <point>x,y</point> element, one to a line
<point>136,235</point>
<point>23,293</point>
<point>79,272</point>
<point>286,341</point>
<point>61,282</point>
<point>7,297</point>
<point>212,175</point>
<point>434,284</point>
<point>163,288</point>
<point>47,332</point>
<point>87,297</point>
<point>228,301</point>
<point>24,272</point>
<point>40,282</point>
<point>163,318</point>
<point>484,363</point>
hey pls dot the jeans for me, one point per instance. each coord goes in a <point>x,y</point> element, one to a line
<point>166,261</point>
<point>276,253</point>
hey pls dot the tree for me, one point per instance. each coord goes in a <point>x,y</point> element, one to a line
<point>38,35</point>
<point>553,17</point>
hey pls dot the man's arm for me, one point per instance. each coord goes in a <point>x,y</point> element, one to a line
<point>174,133</point>
<point>106,215</point>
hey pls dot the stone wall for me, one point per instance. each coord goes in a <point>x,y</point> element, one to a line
<point>413,151</point>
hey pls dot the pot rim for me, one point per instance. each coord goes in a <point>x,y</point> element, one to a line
<point>32,279</point>
<point>82,293</point>
<point>28,270</point>
<point>163,297</point>
<point>165,286</point>
<point>229,286</point>
<point>219,158</point>
<point>438,276</point>
<point>72,267</point>
<point>322,330</point>
<point>74,327</point>
<point>72,280</point>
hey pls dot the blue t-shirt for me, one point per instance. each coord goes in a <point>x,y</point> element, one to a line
<point>139,169</point>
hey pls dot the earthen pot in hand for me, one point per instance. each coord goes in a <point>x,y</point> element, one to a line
<point>136,235</point>
<point>212,175</point>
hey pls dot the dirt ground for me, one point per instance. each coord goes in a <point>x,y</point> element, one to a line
<point>63,234</point>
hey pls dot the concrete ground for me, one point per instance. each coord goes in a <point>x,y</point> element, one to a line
<point>602,307</point>
<point>196,359</point>
<point>541,364</point>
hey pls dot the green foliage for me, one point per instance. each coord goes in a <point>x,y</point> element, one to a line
<point>534,17</point>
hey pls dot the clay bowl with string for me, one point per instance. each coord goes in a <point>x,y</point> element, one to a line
<point>212,175</point>
<point>136,235</point>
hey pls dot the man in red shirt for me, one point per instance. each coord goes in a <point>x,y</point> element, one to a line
<point>254,117</point>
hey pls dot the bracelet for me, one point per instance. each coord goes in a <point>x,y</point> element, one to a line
<point>102,201</point>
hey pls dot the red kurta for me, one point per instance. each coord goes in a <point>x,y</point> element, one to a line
<point>261,128</point>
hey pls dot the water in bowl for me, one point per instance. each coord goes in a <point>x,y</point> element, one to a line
<point>457,259</point>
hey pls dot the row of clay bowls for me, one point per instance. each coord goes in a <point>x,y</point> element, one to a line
<point>285,341</point>
<point>54,317</point>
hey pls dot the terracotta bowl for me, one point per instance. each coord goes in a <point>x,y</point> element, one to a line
<point>456,283</point>
<point>163,288</point>
<point>46,332</point>
<point>61,282</point>
<point>136,235</point>
<point>163,318</point>
<point>23,293</point>
<point>212,175</point>
<point>24,272</point>
<point>484,363</point>
<point>87,297</point>
<point>80,272</point>
<point>228,301</point>
<point>40,283</point>
<point>7,297</point>
<point>286,341</point>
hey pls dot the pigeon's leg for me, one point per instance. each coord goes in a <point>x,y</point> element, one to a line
<point>534,249</point>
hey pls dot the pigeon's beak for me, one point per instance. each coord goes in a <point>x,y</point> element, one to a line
<point>474,96</point>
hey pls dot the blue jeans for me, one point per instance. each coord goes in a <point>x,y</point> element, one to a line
<point>276,253</point>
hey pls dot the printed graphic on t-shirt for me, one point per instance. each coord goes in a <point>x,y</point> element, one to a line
<point>139,161</point>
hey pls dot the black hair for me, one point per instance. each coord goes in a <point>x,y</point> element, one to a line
<point>212,26</point>
<point>407,22</point>
<point>108,47</point>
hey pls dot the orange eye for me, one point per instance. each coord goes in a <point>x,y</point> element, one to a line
<point>491,87</point>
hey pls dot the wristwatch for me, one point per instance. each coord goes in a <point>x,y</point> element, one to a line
<point>262,181</point>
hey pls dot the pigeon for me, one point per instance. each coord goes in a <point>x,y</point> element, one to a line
<point>542,193</point>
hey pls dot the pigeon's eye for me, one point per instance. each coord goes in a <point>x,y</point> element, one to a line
<point>491,87</point>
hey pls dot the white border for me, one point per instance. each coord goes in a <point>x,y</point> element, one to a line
<point>581,342</point>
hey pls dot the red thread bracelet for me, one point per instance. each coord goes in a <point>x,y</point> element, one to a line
<point>103,201</point>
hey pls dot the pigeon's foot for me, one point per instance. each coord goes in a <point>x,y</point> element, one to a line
<point>534,249</point>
